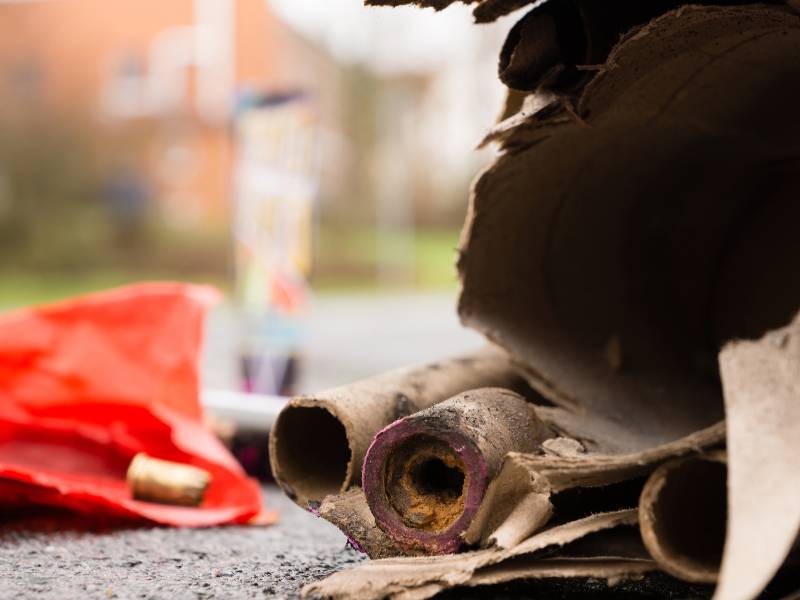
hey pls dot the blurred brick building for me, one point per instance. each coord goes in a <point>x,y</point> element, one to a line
<point>160,81</point>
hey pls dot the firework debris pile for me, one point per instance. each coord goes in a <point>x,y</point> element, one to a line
<point>631,256</point>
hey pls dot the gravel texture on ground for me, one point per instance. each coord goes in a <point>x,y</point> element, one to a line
<point>43,557</point>
<point>38,559</point>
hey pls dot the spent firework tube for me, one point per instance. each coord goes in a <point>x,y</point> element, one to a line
<point>425,476</point>
<point>318,442</point>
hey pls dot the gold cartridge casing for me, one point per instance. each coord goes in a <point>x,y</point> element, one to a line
<point>165,482</point>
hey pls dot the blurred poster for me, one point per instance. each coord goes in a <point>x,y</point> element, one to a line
<point>276,181</point>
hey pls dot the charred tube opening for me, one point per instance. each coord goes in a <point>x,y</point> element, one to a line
<point>683,515</point>
<point>425,476</point>
<point>426,483</point>
<point>310,453</point>
<point>433,476</point>
<point>424,486</point>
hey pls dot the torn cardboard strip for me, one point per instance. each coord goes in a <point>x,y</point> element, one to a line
<point>515,505</point>
<point>423,577</point>
<point>761,380</point>
<point>342,422</point>
<point>425,475</point>
<point>350,513</point>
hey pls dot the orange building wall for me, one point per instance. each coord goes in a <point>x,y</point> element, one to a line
<point>77,43</point>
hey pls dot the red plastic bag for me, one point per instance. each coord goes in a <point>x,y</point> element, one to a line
<point>88,383</point>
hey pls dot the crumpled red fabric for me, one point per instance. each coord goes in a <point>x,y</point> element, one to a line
<point>88,383</point>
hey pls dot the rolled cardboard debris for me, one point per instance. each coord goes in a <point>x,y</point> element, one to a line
<point>521,500</point>
<point>682,516</point>
<point>681,238</point>
<point>647,232</point>
<point>761,380</point>
<point>424,476</point>
<point>534,481</point>
<point>638,236</point>
<point>318,442</point>
<point>423,577</point>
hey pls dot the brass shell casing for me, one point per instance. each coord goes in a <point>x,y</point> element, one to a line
<point>165,482</point>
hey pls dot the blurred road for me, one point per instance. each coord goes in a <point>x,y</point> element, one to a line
<point>354,336</point>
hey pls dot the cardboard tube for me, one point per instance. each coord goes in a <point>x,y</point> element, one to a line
<point>682,516</point>
<point>318,442</point>
<point>761,380</point>
<point>425,476</point>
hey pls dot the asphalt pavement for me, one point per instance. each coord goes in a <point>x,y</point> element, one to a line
<point>42,558</point>
<point>56,559</point>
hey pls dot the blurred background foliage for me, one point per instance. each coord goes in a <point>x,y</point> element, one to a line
<point>101,185</point>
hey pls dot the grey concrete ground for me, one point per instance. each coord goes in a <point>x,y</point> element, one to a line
<point>357,336</point>
<point>160,563</point>
<point>354,336</point>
